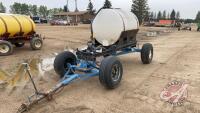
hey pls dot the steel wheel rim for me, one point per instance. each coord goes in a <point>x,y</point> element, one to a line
<point>4,48</point>
<point>115,72</point>
<point>66,65</point>
<point>38,44</point>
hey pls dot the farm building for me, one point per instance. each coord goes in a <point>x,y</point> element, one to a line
<point>166,22</point>
<point>75,17</point>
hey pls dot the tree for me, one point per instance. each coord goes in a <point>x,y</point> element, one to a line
<point>91,8</point>
<point>140,9</point>
<point>2,8</point>
<point>66,9</point>
<point>43,11</point>
<point>173,15</point>
<point>15,8</point>
<point>18,8</point>
<point>198,17</point>
<point>164,16</point>
<point>33,10</point>
<point>151,16</point>
<point>178,15</point>
<point>107,4</point>
<point>147,16</point>
<point>54,11</point>
<point>25,9</point>
<point>159,16</point>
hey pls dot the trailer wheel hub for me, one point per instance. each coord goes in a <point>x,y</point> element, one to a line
<point>38,44</point>
<point>4,48</point>
<point>116,72</point>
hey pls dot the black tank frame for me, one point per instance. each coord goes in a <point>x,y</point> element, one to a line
<point>95,49</point>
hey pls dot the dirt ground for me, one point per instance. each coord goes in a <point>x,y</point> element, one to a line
<point>176,57</point>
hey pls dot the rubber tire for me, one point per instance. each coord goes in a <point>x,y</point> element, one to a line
<point>10,48</point>
<point>190,29</point>
<point>61,60</point>
<point>146,49</point>
<point>32,43</point>
<point>179,29</point>
<point>19,44</point>
<point>105,72</point>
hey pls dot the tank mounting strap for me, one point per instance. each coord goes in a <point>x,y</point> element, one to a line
<point>18,23</point>
<point>6,27</point>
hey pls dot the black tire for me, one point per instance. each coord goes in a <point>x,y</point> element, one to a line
<point>61,61</point>
<point>19,44</point>
<point>179,29</point>
<point>36,43</point>
<point>147,53</point>
<point>110,73</point>
<point>6,48</point>
<point>190,29</point>
<point>197,29</point>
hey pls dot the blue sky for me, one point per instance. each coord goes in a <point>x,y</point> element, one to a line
<point>187,8</point>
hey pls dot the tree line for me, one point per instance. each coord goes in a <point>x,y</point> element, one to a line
<point>43,11</point>
<point>28,9</point>
<point>139,7</point>
<point>164,15</point>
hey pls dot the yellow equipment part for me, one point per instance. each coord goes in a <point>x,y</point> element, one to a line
<point>15,24</point>
<point>2,28</point>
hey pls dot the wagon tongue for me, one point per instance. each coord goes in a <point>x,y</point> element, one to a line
<point>37,96</point>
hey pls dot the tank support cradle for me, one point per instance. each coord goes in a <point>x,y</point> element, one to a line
<point>87,69</point>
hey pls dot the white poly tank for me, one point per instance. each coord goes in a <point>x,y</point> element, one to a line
<point>110,23</point>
